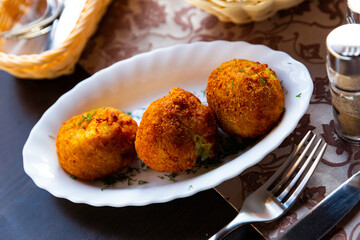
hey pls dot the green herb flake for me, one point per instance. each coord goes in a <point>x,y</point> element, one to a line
<point>215,75</point>
<point>73,177</point>
<point>52,137</point>
<point>232,84</point>
<point>124,177</point>
<point>142,164</point>
<point>203,92</point>
<point>264,80</point>
<point>299,95</point>
<point>190,187</point>
<point>88,117</point>
<point>129,181</point>
<point>141,182</point>
<point>109,180</point>
<point>241,70</point>
<point>171,176</point>
<point>161,177</point>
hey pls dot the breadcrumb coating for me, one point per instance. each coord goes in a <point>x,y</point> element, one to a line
<point>96,143</point>
<point>246,96</point>
<point>175,131</point>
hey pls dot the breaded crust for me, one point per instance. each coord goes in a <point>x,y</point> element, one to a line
<point>174,131</point>
<point>246,96</point>
<point>96,143</point>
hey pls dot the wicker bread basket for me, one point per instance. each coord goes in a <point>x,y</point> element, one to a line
<point>60,60</point>
<point>243,11</point>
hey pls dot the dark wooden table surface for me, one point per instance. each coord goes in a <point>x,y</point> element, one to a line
<point>28,212</point>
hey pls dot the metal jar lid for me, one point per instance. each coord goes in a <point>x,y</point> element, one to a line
<point>343,45</point>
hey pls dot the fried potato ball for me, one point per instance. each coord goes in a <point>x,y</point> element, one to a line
<point>96,143</point>
<point>175,131</point>
<point>246,96</point>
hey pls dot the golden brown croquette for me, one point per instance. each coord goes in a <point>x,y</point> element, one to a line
<point>246,97</point>
<point>175,131</point>
<point>96,143</point>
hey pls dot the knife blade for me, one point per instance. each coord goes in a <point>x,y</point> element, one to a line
<point>327,213</point>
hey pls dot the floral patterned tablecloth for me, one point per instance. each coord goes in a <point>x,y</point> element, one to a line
<point>136,26</point>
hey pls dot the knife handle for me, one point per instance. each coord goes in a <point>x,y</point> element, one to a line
<point>327,213</point>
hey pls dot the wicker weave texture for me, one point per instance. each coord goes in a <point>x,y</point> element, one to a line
<point>61,60</point>
<point>243,11</point>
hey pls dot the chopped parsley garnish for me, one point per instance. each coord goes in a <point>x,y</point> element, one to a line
<point>142,164</point>
<point>264,80</point>
<point>128,113</point>
<point>73,177</point>
<point>52,137</point>
<point>190,187</point>
<point>203,92</point>
<point>141,182</point>
<point>127,176</point>
<point>171,176</point>
<point>109,180</point>
<point>299,95</point>
<point>88,117</point>
<point>241,70</point>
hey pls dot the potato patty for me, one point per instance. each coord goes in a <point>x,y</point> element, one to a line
<point>246,96</point>
<point>96,143</point>
<point>175,131</point>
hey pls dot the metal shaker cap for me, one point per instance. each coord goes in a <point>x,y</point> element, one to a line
<point>343,45</point>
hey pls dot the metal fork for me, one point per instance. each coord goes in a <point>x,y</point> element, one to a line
<point>276,196</point>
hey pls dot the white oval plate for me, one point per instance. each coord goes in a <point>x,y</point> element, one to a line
<point>131,85</point>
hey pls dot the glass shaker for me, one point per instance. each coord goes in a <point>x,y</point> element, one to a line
<point>343,68</point>
<point>353,11</point>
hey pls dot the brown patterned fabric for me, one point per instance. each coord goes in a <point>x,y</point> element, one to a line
<point>133,27</point>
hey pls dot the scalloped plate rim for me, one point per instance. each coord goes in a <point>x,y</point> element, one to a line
<point>94,78</point>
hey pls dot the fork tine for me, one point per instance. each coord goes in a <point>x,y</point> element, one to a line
<point>296,178</point>
<point>276,178</point>
<point>303,182</point>
<point>262,205</point>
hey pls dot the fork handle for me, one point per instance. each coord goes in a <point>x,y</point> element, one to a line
<point>240,220</point>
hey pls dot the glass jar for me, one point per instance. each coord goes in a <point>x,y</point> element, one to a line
<point>353,11</point>
<point>343,68</point>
